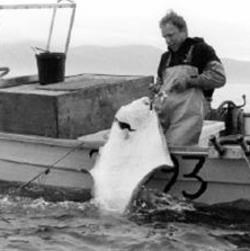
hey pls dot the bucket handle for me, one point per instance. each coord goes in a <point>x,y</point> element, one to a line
<point>70,26</point>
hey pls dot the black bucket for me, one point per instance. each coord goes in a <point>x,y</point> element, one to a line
<point>51,67</point>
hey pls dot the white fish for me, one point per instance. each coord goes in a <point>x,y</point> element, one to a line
<point>135,147</point>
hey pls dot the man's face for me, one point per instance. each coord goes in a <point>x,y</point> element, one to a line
<point>173,36</point>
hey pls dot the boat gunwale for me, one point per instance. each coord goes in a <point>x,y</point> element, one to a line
<point>89,144</point>
<point>232,151</point>
<point>34,139</point>
<point>51,167</point>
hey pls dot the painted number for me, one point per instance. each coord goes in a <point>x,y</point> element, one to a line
<point>194,174</point>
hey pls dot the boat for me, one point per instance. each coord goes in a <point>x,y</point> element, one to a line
<point>50,136</point>
<point>40,159</point>
<point>209,172</point>
<point>215,171</point>
<point>42,115</point>
<point>41,153</point>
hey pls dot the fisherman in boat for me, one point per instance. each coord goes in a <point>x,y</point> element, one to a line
<point>188,73</point>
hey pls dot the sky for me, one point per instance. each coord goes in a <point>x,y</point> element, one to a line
<point>224,24</point>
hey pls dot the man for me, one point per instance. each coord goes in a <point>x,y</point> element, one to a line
<point>188,73</point>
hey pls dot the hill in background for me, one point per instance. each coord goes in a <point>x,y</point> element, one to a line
<point>137,59</point>
<point>124,60</point>
<point>134,59</point>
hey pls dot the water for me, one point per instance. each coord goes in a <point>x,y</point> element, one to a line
<point>40,225</point>
<point>171,224</point>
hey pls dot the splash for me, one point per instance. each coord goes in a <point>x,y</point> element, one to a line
<point>135,147</point>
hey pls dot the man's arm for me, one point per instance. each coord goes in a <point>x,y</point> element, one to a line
<point>213,76</point>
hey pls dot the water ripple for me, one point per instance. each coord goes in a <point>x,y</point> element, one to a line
<point>40,225</point>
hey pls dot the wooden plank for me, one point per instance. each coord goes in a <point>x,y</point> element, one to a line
<point>31,79</point>
<point>189,150</point>
<point>38,139</point>
<point>16,81</point>
<point>87,81</point>
<point>36,6</point>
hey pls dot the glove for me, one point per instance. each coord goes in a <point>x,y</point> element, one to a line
<point>159,101</point>
<point>155,87</point>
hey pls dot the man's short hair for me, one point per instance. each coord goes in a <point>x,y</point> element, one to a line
<point>175,19</point>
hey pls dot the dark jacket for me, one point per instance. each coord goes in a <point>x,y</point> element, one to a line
<point>201,55</point>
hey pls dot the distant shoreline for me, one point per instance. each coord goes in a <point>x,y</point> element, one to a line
<point>121,60</point>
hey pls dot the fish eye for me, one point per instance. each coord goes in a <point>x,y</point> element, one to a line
<point>146,101</point>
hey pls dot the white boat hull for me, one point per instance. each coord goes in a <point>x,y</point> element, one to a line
<point>219,179</point>
<point>23,157</point>
<point>226,180</point>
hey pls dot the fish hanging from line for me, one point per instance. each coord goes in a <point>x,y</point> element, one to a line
<point>135,147</point>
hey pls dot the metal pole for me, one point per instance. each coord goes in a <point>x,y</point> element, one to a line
<point>35,6</point>
<point>70,29</point>
<point>51,27</point>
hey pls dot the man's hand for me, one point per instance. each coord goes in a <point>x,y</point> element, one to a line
<point>155,87</point>
<point>159,101</point>
<point>180,84</point>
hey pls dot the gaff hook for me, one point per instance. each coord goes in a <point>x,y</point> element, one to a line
<point>162,96</point>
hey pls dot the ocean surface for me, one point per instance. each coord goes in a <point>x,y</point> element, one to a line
<point>31,225</point>
<point>27,224</point>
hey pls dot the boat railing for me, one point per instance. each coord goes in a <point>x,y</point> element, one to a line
<point>4,71</point>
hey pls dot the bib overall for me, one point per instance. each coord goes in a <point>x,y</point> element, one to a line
<point>181,113</point>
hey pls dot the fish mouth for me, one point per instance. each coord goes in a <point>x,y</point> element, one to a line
<point>124,125</point>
